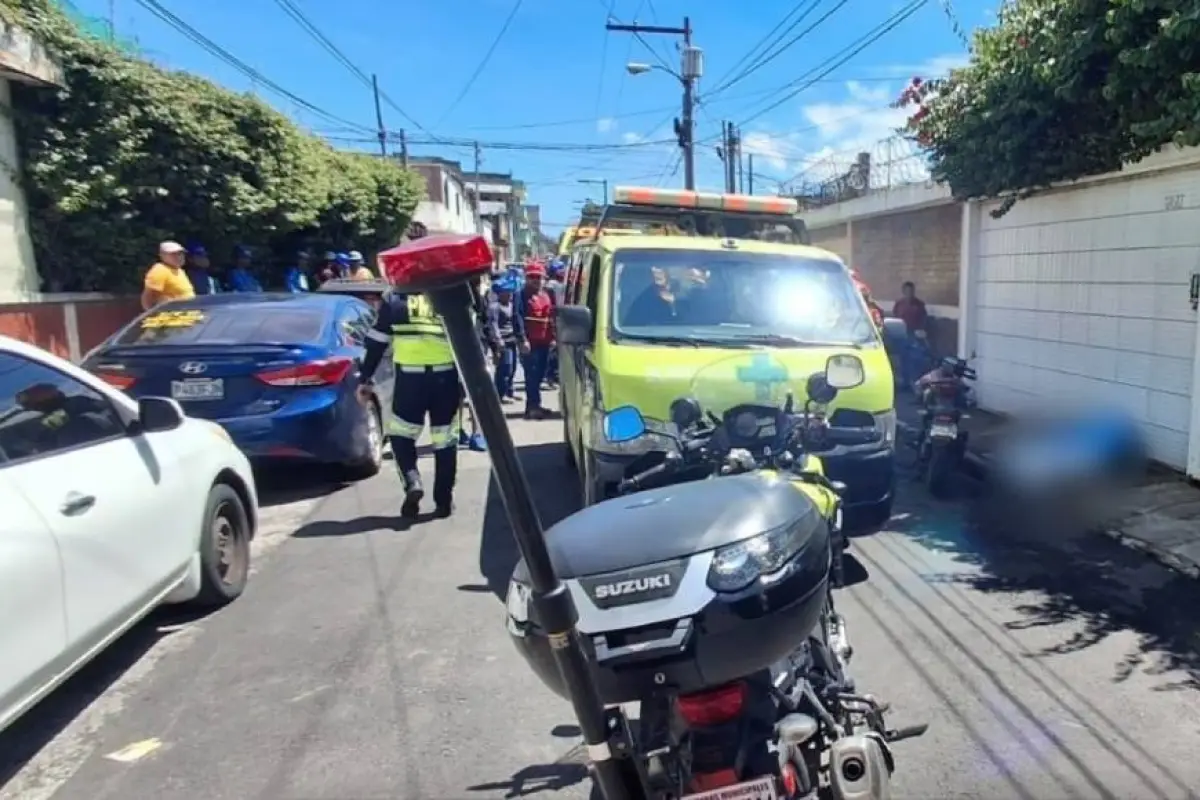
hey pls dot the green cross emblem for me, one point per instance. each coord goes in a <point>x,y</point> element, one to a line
<point>763,373</point>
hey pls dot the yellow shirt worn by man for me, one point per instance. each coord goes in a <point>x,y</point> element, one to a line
<point>166,280</point>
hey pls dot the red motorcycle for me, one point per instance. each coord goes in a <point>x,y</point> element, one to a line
<point>945,397</point>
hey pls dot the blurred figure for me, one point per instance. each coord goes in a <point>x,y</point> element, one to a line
<point>241,275</point>
<point>358,268</point>
<point>915,353</point>
<point>341,265</point>
<point>506,337</point>
<point>328,269</point>
<point>296,278</point>
<point>199,270</point>
<point>537,310</point>
<point>166,280</point>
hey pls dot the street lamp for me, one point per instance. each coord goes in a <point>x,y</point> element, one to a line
<point>692,63</point>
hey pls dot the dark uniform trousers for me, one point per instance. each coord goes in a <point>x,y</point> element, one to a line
<point>421,392</point>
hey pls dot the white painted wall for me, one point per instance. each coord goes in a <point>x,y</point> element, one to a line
<point>18,272</point>
<point>1081,295</point>
<point>456,214</point>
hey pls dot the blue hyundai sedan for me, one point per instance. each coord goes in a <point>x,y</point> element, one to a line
<point>277,371</point>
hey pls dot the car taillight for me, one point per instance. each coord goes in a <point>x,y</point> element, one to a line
<point>712,707</point>
<point>326,372</point>
<point>116,379</point>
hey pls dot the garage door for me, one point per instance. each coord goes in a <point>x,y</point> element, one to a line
<point>1083,296</point>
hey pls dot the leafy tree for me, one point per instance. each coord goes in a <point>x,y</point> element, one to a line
<point>1061,89</point>
<point>129,154</point>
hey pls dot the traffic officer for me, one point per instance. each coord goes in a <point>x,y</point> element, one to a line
<point>426,385</point>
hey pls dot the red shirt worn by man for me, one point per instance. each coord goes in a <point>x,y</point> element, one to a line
<point>539,309</point>
<point>912,311</point>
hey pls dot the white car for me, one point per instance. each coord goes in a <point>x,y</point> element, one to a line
<point>109,507</point>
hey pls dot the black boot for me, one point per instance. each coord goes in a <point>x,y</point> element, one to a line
<point>414,492</point>
<point>445,462</point>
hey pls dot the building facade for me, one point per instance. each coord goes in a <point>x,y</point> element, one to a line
<point>449,203</point>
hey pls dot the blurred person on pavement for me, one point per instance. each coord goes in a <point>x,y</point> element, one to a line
<point>296,278</point>
<point>328,269</point>
<point>915,351</point>
<point>556,287</point>
<point>358,268</point>
<point>506,336</point>
<point>199,270</point>
<point>241,275</point>
<point>537,312</point>
<point>166,280</point>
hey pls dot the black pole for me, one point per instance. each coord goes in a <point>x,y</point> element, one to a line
<point>550,598</point>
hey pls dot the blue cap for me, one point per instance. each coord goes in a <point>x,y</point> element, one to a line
<point>505,285</point>
<point>197,249</point>
<point>342,258</point>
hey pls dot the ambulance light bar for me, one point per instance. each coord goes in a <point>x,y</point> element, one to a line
<point>671,198</point>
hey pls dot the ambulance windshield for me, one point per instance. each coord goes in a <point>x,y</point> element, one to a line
<point>737,297</point>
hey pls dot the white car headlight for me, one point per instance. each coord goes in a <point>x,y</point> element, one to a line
<point>736,566</point>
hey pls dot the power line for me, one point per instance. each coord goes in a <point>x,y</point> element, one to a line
<point>767,58</point>
<point>872,36</point>
<point>549,147</point>
<point>763,45</point>
<point>166,16</point>
<point>483,62</point>
<point>290,8</point>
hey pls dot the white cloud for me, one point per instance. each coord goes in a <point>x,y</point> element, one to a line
<point>606,125</point>
<point>835,132</point>
<point>629,137</point>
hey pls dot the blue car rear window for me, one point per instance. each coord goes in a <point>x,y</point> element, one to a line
<point>234,324</point>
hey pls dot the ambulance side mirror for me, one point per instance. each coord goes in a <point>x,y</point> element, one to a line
<point>574,324</point>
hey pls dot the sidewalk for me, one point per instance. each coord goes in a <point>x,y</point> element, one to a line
<point>1160,516</point>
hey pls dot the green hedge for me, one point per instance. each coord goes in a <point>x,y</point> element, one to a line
<point>1061,89</point>
<point>129,154</point>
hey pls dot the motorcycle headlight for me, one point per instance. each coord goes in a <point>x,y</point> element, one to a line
<point>517,602</point>
<point>736,566</point>
<point>657,438</point>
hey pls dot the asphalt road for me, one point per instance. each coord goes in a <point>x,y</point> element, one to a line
<point>368,661</point>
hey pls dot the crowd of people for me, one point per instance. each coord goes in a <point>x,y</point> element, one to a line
<point>182,272</point>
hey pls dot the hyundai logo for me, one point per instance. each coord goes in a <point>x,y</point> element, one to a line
<point>193,368</point>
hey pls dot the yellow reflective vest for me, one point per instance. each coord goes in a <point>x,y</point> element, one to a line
<point>419,337</point>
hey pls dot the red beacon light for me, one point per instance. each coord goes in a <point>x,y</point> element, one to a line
<point>436,262</point>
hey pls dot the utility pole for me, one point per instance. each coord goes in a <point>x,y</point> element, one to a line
<point>691,69</point>
<point>403,148</point>
<point>740,163</point>
<point>112,21</point>
<point>379,118</point>
<point>750,174</point>
<point>478,199</point>
<point>730,158</point>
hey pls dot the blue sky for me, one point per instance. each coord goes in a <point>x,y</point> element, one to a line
<point>558,78</point>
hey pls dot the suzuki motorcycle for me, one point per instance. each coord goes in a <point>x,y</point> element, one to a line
<point>940,441</point>
<point>704,596</point>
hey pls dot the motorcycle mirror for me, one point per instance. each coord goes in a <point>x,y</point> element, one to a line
<point>623,424</point>
<point>685,412</point>
<point>844,371</point>
<point>818,389</point>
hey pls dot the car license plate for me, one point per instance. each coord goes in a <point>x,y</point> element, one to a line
<point>198,389</point>
<point>943,430</point>
<point>760,789</point>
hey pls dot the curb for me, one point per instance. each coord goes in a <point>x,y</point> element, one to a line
<point>1168,559</point>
